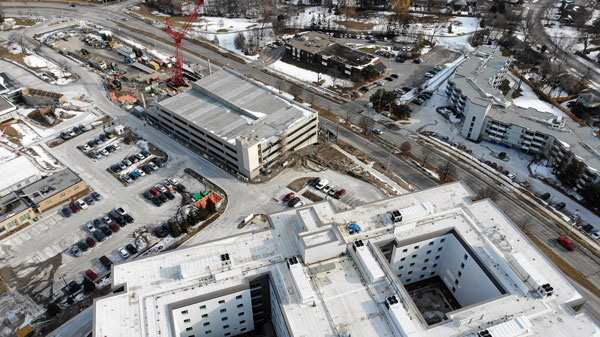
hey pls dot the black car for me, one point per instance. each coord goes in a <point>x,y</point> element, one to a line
<point>122,222</point>
<point>81,128</point>
<point>73,287</point>
<point>148,195</point>
<point>128,218</point>
<point>131,249</point>
<point>545,196</point>
<point>364,89</point>
<point>294,201</point>
<point>156,201</point>
<point>106,262</point>
<point>91,143</point>
<point>133,159</point>
<point>407,89</point>
<point>106,231</point>
<point>146,153</point>
<point>163,198</point>
<point>147,169</point>
<point>560,206</point>
<point>110,148</point>
<point>115,168</point>
<point>102,137</point>
<point>96,196</point>
<point>89,200</point>
<point>99,236</point>
<point>97,223</point>
<point>159,162</point>
<point>83,246</point>
<point>394,75</point>
<point>170,195</point>
<point>180,188</point>
<point>113,214</point>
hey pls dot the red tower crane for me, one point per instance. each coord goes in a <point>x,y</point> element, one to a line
<point>177,78</point>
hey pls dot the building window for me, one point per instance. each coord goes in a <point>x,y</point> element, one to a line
<point>424,268</point>
<point>240,305</point>
<point>63,194</point>
<point>238,297</point>
<point>462,265</point>
<point>402,259</point>
<point>221,301</point>
<point>456,281</point>
<point>426,260</point>
<point>437,257</point>
<point>410,272</point>
<point>434,265</point>
<point>206,323</point>
<point>440,249</point>
<point>432,273</point>
<point>444,239</point>
<point>76,188</point>
<point>225,326</point>
<point>187,320</point>
<point>400,268</point>
<point>412,264</point>
<point>422,276</point>
<point>241,314</point>
<point>459,273</point>
<point>407,280</point>
<point>223,310</point>
<point>202,307</point>
<point>228,334</point>
<point>223,319</point>
<point>428,252</point>
<point>405,250</point>
<point>184,312</point>
<point>431,243</point>
<point>416,247</point>
<point>414,256</point>
<point>189,329</point>
<point>204,315</point>
<point>453,289</point>
<point>242,322</point>
<point>207,332</point>
<point>466,256</point>
<point>243,329</point>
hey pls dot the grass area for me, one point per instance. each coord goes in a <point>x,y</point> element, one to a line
<point>222,30</point>
<point>564,266</point>
<point>368,50</point>
<point>312,196</point>
<point>26,21</point>
<point>4,53</point>
<point>356,25</point>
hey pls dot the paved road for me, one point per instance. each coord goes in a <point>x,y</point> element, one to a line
<point>574,64</point>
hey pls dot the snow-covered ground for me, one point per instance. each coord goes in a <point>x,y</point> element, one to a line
<point>215,24</point>
<point>529,99</point>
<point>310,76</point>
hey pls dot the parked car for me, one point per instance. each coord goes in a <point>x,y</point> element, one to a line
<point>545,196</point>
<point>146,153</point>
<point>106,262</point>
<point>322,183</point>
<point>293,202</point>
<point>153,166</point>
<point>90,227</point>
<point>163,198</point>
<point>160,232</point>
<point>82,204</point>
<point>131,249</point>
<point>90,274</point>
<point>121,221</point>
<point>120,210</point>
<point>560,206</point>
<point>89,200</point>
<point>96,196</point>
<point>170,195</point>
<point>148,195</point>
<point>133,159</point>
<point>155,191</point>
<point>73,287</point>
<point>90,241</point>
<point>75,251</point>
<point>418,61</point>
<point>126,179</point>
<point>180,187</point>
<point>104,152</point>
<point>82,245</point>
<point>106,231</point>
<point>326,189</point>
<point>127,162</point>
<point>156,201</point>
<point>74,207</point>
<point>160,187</point>
<point>340,193</point>
<point>115,228</point>
<point>377,131</point>
<point>332,191</point>
<point>140,156</point>
<point>99,235</point>
<point>299,204</point>
<point>127,141</point>
<point>124,253</point>
<point>66,212</point>
<point>140,172</point>
<point>288,197</point>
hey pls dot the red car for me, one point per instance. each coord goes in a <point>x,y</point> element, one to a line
<point>566,242</point>
<point>339,193</point>
<point>289,196</point>
<point>74,207</point>
<point>90,242</point>
<point>154,192</point>
<point>128,141</point>
<point>115,228</point>
<point>91,275</point>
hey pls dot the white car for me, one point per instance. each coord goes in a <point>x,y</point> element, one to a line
<point>123,252</point>
<point>116,146</point>
<point>429,75</point>
<point>326,189</point>
<point>595,235</point>
<point>140,156</point>
<point>140,172</point>
<point>322,183</point>
<point>85,147</point>
<point>173,181</point>
<point>168,184</point>
<point>161,188</point>
<point>299,204</point>
<point>153,166</point>
<point>104,152</point>
<point>82,204</point>
<point>120,210</point>
<point>90,227</point>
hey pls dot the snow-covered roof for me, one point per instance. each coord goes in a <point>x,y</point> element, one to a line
<point>16,171</point>
<point>344,301</point>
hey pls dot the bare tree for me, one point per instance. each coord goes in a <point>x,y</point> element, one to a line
<point>1,16</point>
<point>240,41</point>
<point>296,91</point>
<point>446,170</point>
<point>425,153</point>
<point>405,147</point>
<point>524,222</point>
<point>17,38</point>
<point>366,124</point>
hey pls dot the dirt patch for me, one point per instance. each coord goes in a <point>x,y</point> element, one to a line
<point>356,25</point>
<point>299,184</point>
<point>312,196</point>
<point>222,30</point>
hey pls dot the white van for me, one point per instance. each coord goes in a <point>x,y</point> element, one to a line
<point>322,183</point>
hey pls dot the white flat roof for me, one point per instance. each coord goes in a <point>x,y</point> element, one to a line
<point>15,171</point>
<point>344,302</point>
